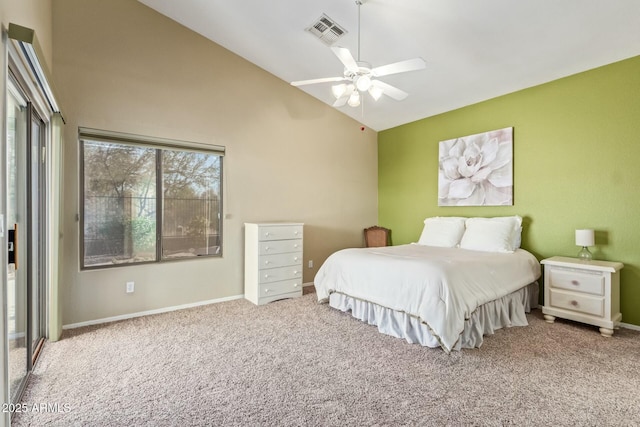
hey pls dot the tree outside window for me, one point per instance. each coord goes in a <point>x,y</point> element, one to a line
<point>130,189</point>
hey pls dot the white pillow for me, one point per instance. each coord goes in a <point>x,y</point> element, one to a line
<point>491,234</point>
<point>442,231</point>
<point>516,235</point>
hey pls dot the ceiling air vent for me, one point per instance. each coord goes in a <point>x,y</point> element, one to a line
<point>326,30</point>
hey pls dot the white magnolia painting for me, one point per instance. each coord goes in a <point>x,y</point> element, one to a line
<point>477,170</point>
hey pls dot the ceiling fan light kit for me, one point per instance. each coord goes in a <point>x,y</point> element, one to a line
<point>361,77</point>
<point>339,90</point>
<point>354,99</point>
<point>375,92</point>
<point>363,82</point>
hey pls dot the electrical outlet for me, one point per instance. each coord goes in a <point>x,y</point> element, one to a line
<point>130,287</point>
<point>310,263</point>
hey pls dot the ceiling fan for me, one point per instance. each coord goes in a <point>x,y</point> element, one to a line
<point>361,77</point>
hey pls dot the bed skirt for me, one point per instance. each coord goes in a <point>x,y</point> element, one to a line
<point>485,320</point>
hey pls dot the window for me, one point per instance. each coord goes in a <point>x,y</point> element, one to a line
<point>148,200</point>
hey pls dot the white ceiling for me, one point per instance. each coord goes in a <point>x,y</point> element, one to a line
<point>474,49</point>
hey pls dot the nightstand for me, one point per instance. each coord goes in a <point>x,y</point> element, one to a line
<point>584,291</point>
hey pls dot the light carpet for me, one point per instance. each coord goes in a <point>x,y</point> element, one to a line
<point>296,362</point>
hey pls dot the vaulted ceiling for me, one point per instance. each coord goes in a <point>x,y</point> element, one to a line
<point>474,50</point>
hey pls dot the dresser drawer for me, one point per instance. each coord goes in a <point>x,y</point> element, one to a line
<point>283,232</point>
<point>281,273</point>
<point>579,281</point>
<point>279,260</point>
<point>577,302</point>
<point>279,247</point>
<point>283,287</point>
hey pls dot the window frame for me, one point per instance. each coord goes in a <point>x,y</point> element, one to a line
<point>159,145</point>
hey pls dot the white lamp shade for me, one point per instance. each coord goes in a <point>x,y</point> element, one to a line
<point>363,83</point>
<point>354,99</point>
<point>585,237</point>
<point>339,90</point>
<point>375,92</point>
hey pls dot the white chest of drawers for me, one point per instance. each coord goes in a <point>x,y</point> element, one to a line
<point>272,261</point>
<point>584,291</point>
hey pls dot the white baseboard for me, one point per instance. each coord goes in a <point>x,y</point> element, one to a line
<point>304,285</point>
<point>630,326</point>
<point>148,312</point>
<point>201,303</point>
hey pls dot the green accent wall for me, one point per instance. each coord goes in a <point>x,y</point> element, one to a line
<point>576,150</point>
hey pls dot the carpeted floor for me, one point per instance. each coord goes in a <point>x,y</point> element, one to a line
<point>296,362</point>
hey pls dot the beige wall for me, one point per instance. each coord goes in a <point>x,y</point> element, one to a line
<point>121,66</point>
<point>34,14</point>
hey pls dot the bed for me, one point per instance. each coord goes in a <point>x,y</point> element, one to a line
<point>445,294</point>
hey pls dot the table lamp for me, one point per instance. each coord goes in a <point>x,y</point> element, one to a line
<point>585,238</point>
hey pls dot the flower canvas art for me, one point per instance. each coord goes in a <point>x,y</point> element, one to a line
<point>476,170</point>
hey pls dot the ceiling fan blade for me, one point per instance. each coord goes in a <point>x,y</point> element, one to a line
<point>390,91</point>
<point>314,81</point>
<point>346,58</point>
<point>399,67</point>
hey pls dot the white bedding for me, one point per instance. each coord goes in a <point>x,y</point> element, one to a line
<point>440,286</point>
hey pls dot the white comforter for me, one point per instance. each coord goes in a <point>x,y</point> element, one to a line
<point>440,286</point>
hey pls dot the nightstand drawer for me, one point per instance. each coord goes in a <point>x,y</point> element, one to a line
<point>578,281</point>
<point>576,302</point>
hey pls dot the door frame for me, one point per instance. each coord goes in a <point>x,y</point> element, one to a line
<point>34,228</point>
<point>21,53</point>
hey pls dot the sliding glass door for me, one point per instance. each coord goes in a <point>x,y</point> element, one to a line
<point>16,216</point>
<point>26,288</point>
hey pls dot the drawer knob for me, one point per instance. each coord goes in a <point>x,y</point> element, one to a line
<point>266,248</point>
<point>267,234</point>
<point>295,258</point>
<point>267,290</point>
<point>266,276</point>
<point>295,285</point>
<point>575,282</point>
<point>574,303</point>
<point>295,232</point>
<point>267,262</point>
<point>295,246</point>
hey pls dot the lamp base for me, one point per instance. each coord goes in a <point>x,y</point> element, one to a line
<point>584,254</point>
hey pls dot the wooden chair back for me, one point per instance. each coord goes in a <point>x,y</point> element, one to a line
<point>376,236</point>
